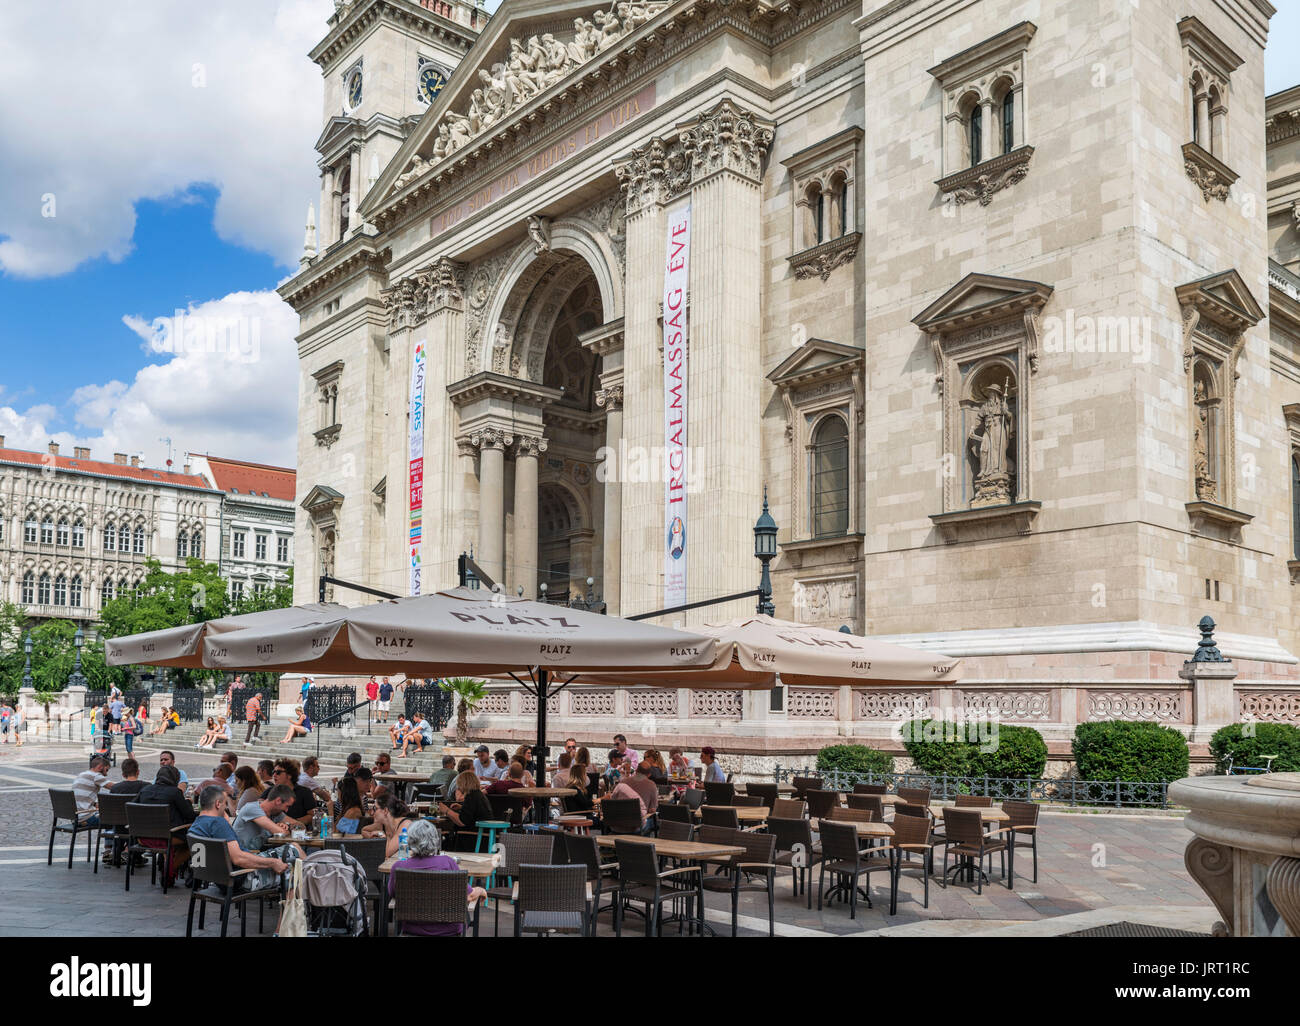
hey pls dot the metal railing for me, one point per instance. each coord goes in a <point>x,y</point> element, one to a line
<point>325,701</point>
<point>339,719</point>
<point>133,698</point>
<point>189,703</point>
<point>945,787</point>
<point>434,703</point>
<point>239,699</point>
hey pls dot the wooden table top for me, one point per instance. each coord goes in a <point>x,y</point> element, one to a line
<point>866,829</point>
<point>405,778</point>
<point>744,813</point>
<point>993,815</point>
<point>477,866</point>
<point>542,792</point>
<point>311,842</point>
<point>674,849</point>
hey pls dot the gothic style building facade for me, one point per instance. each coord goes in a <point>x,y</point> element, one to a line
<point>988,295</point>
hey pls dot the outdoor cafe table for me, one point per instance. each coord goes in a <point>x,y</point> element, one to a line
<point>541,797</point>
<point>987,816</point>
<point>691,851</point>
<point>744,813</point>
<point>393,777</point>
<point>872,830</point>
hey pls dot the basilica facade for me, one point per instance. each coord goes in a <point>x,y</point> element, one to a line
<point>996,301</point>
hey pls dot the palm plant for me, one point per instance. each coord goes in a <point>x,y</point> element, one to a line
<point>469,692</point>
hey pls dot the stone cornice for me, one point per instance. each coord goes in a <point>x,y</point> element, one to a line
<point>606,339</point>
<point>364,14</point>
<point>987,521</point>
<point>356,254</point>
<point>987,177</point>
<point>1222,58</point>
<point>488,384</point>
<point>819,261</point>
<point>1212,176</point>
<point>991,51</point>
<point>1282,115</point>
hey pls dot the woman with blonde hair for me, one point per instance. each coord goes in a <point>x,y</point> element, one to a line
<point>298,726</point>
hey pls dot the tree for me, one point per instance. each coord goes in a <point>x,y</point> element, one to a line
<point>13,623</point>
<point>470,693</point>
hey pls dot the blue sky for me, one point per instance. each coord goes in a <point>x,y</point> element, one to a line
<point>188,189</point>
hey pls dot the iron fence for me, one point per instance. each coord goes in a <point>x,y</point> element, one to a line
<point>327,701</point>
<point>188,703</point>
<point>132,699</point>
<point>944,787</point>
<point>239,700</point>
<point>432,702</point>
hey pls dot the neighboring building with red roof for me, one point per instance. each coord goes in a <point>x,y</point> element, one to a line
<point>75,531</point>
<point>257,520</point>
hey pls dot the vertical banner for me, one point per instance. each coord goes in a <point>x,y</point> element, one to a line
<point>676,278</point>
<point>416,471</point>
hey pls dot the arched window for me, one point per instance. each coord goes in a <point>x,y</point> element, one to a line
<point>79,535</point>
<point>29,588</point>
<point>47,531</point>
<point>64,531</point>
<point>43,590</point>
<point>110,538</point>
<point>138,544</point>
<point>124,538</point>
<point>74,592</point>
<point>182,545</point>
<point>123,591</point>
<point>196,545</point>
<point>1196,121</point>
<point>829,487</point>
<point>29,531</point>
<point>1009,121</point>
<point>107,592</point>
<point>976,134</point>
<point>60,590</point>
<point>345,201</point>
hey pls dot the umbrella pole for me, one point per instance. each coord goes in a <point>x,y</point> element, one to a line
<point>541,806</point>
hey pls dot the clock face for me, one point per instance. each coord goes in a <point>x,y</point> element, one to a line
<point>354,90</point>
<point>431,83</point>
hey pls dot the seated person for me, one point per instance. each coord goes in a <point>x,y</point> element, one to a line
<point>260,820</point>
<point>307,778</point>
<point>350,809</point>
<point>524,756</point>
<point>298,726</point>
<point>658,771</point>
<point>220,778</point>
<point>224,733</point>
<point>425,844</point>
<point>172,720</point>
<point>464,766</point>
<point>272,864</point>
<point>248,786</point>
<point>440,778</point>
<point>420,735</point>
<point>485,768</point>
<point>130,785</point>
<point>471,806</point>
<point>580,800</point>
<point>679,765</point>
<point>209,735</point>
<point>713,773</point>
<point>638,785</point>
<point>614,771</point>
<point>390,818</point>
<point>561,777</point>
<point>502,759</point>
<point>287,772</point>
<point>165,790</point>
<point>86,788</point>
<point>398,731</point>
<point>513,779</point>
<point>383,764</point>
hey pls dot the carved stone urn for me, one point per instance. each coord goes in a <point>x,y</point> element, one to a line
<point>1246,852</point>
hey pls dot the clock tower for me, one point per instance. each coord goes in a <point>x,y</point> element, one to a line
<point>383,62</point>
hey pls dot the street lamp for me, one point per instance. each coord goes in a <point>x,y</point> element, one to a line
<point>27,670</point>
<point>765,552</point>
<point>77,678</point>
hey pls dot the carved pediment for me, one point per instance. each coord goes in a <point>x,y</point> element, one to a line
<point>981,298</point>
<point>1224,299</point>
<point>817,359</point>
<point>337,129</point>
<point>322,499</point>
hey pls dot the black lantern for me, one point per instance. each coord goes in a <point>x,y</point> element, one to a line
<point>27,670</point>
<point>765,552</point>
<point>77,679</point>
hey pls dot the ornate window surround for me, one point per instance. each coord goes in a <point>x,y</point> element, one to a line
<point>327,390</point>
<point>819,166</point>
<point>1291,411</point>
<point>982,75</point>
<point>1210,64</point>
<point>1217,311</point>
<point>984,317</point>
<point>818,380</point>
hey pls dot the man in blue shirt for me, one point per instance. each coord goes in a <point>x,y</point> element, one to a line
<point>211,824</point>
<point>385,697</point>
<point>302,694</point>
<point>168,759</point>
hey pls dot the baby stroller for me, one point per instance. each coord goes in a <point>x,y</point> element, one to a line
<point>103,746</point>
<point>334,892</point>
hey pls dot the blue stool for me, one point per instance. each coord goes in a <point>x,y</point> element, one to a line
<point>493,827</point>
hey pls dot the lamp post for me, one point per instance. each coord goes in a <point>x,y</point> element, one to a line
<point>77,679</point>
<point>765,552</point>
<point>27,670</point>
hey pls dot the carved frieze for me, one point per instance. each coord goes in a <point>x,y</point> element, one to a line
<point>1269,706</point>
<point>1159,706</point>
<point>654,702</point>
<point>528,704</point>
<point>812,704</point>
<point>585,702</point>
<point>717,705</point>
<point>1008,705</point>
<point>821,260</point>
<point>870,704</point>
<point>986,179</point>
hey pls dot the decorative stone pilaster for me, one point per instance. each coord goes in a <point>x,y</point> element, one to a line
<point>653,175</point>
<point>610,399</point>
<point>492,443</point>
<point>1211,676</point>
<point>527,450</point>
<point>727,138</point>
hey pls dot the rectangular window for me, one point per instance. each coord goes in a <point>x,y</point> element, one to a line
<point>282,550</point>
<point>237,591</point>
<point>29,532</point>
<point>239,544</point>
<point>47,533</point>
<point>260,547</point>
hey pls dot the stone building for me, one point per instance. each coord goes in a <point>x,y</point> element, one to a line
<point>75,532</point>
<point>257,521</point>
<point>996,298</point>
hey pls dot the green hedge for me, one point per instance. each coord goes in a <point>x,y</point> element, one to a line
<point>1121,750</point>
<point>1248,743</point>
<point>854,759</point>
<point>975,749</point>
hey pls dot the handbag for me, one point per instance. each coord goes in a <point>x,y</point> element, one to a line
<point>139,728</point>
<point>293,915</point>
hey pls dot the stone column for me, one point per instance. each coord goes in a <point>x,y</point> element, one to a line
<point>524,572</point>
<point>444,492</point>
<point>492,444</point>
<point>991,124</point>
<point>1211,677</point>
<point>1203,120</point>
<point>610,399</point>
<point>726,148</point>
<point>354,189</point>
<point>327,224</point>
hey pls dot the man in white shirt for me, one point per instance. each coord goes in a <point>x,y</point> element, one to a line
<point>484,767</point>
<point>307,778</point>
<point>630,755</point>
<point>86,788</point>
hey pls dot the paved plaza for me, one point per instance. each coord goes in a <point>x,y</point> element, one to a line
<point>1089,863</point>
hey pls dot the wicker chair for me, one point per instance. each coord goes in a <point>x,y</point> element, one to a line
<point>676,830</point>
<point>795,848</point>
<point>216,882</point>
<point>533,849</point>
<point>433,897</point>
<point>673,814</point>
<point>641,881</point>
<point>149,823</point>
<point>802,785</point>
<point>967,839</point>
<point>64,804</point>
<point>755,870</point>
<point>789,808</point>
<point>912,837</point>
<point>820,803</point>
<point>582,850</point>
<point>693,798</point>
<point>620,816</point>
<point>551,899</point>
<point>719,794</point>
<point>748,801</point>
<point>767,793</point>
<point>846,863</point>
<point>1024,820</point>
<point>112,817</point>
<point>868,803</point>
<point>870,789</point>
<point>720,816</point>
<point>915,796</point>
<point>972,801</point>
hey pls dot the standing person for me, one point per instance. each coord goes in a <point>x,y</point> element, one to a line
<point>252,710</point>
<point>372,689</point>
<point>6,714</point>
<point>385,699</point>
<point>305,690</point>
<point>130,728</point>
<point>115,709</point>
<point>230,697</point>
<point>18,723</point>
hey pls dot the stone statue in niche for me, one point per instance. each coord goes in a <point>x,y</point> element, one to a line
<point>539,230</point>
<point>1206,487</point>
<point>989,444</point>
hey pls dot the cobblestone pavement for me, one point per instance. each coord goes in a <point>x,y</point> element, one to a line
<point>1086,862</point>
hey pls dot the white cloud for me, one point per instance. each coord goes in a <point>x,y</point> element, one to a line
<point>104,108</point>
<point>226,382</point>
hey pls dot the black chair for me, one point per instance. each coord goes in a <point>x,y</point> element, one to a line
<point>693,798</point>
<point>868,802</point>
<point>216,881</point>
<point>676,830</point>
<point>767,792</point>
<point>112,817</point>
<point>846,863</point>
<point>967,839</point>
<point>149,823</point>
<point>719,794</point>
<point>720,817</point>
<point>795,849</point>
<point>870,789</point>
<point>518,849</point>
<point>64,805</point>
<point>755,870</point>
<point>434,897</point>
<point>673,814</point>
<point>747,801</point>
<point>581,849</point>
<point>802,785</point>
<point>641,881</point>
<point>912,837</point>
<point>620,816</point>
<point>551,899</point>
<point>820,803</point>
<point>1024,820</point>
